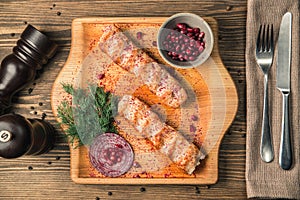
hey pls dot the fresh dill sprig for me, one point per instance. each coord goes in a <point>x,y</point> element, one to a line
<point>90,113</point>
<point>68,88</point>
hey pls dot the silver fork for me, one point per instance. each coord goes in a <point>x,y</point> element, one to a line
<point>264,57</point>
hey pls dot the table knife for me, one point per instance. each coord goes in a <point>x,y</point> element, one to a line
<point>283,85</point>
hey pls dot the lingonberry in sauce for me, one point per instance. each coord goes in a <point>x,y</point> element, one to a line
<point>184,43</point>
<point>194,118</point>
<point>192,128</point>
<point>139,35</point>
<point>154,43</point>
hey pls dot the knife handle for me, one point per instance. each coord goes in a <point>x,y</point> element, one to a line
<point>285,152</point>
<point>266,146</point>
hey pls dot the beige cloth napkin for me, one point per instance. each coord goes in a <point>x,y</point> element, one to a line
<point>268,180</point>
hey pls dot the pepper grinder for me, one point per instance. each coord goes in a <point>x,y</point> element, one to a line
<point>33,50</point>
<point>20,136</point>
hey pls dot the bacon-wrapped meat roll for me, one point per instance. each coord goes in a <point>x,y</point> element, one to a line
<point>125,54</point>
<point>164,138</point>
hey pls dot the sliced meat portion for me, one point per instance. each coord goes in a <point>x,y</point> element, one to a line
<point>163,137</point>
<point>125,54</point>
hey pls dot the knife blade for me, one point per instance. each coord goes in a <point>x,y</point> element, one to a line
<point>283,85</point>
<point>284,53</point>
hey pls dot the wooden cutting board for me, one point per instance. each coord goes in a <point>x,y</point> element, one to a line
<point>210,84</point>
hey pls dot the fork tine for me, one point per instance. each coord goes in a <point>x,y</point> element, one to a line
<point>272,39</point>
<point>258,41</point>
<point>267,47</point>
<point>264,38</point>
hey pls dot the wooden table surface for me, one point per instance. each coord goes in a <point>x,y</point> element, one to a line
<point>48,176</point>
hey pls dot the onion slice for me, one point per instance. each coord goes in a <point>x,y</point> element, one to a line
<point>111,154</point>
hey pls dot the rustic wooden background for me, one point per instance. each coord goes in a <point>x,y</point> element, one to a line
<point>47,176</point>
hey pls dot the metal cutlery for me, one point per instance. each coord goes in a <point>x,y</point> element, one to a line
<point>264,57</point>
<point>283,85</point>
